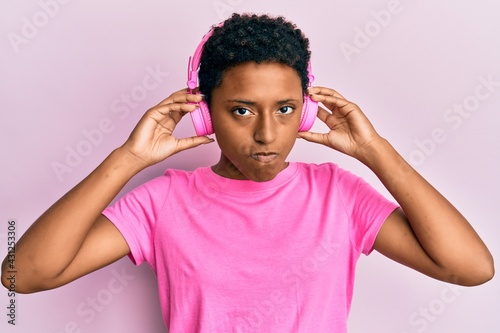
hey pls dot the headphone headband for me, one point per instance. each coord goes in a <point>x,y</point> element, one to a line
<point>194,61</point>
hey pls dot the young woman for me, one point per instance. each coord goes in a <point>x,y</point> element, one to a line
<point>254,243</point>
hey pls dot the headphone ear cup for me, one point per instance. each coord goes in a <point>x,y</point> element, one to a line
<point>309,113</point>
<point>201,120</point>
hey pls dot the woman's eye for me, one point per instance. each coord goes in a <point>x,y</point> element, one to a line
<point>241,112</point>
<point>286,110</point>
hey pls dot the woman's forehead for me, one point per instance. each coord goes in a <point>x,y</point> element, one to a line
<point>251,76</point>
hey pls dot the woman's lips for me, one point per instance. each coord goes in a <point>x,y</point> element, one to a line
<point>265,157</point>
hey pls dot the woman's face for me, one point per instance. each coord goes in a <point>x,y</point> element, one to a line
<point>256,114</point>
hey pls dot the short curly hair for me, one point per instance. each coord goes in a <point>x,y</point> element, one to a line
<point>250,37</point>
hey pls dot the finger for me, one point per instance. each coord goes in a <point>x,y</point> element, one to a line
<point>336,104</point>
<point>191,142</point>
<point>169,115</point>
<point>323,114</point>
<point>177,116</point>
<point>324,91</point>
<point>182,96</point>
<point>187,97</point>
<point>332,120</point>
<point>169,109</point>
<point>333,98</point>
<point>330,98</point>
<point>313,137</point>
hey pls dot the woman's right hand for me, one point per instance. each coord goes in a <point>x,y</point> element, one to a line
<point>152,139</point>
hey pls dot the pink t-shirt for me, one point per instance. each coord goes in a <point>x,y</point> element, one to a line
<point>244,256</point>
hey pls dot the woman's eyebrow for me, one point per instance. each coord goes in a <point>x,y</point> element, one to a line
<point>248,102</point>
<point>288,100</point>
<point>241,101</point>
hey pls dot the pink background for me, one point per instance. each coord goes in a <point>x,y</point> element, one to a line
<point>67,67</point>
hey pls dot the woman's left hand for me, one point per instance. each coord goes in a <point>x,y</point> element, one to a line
<point>350,130</point>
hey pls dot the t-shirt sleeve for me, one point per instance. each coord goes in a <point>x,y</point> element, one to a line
<point>367,209</point>
<point>135,215</point>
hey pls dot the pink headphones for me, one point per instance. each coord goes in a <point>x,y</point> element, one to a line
<point>201,117</point>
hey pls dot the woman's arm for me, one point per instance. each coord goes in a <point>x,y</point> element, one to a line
<point>72,238</point>
<point>428,233</point>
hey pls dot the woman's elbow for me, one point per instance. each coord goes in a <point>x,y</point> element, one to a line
<point>11,282</point>
<point>480,272</point>
<point>18,281</point>
<point>487,272</point>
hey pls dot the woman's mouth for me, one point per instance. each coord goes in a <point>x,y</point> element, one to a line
<point>264,157</point>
